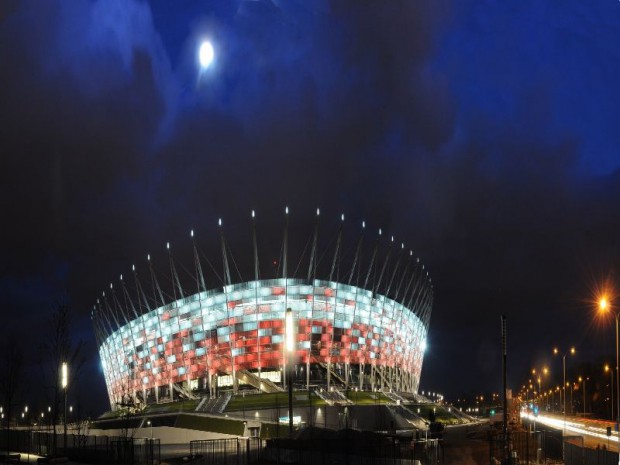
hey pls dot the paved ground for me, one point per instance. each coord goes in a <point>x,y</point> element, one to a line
<point>466,445</point>
<point>27,458</point>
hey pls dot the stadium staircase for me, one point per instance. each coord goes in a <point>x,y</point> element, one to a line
<point>332,397</point>
<point>333,373</point>
<point>408,416</point>
<point>422,399</point>
<point>261,384</point>
<point>203,401</point>
<point>214,404</point>
<point>183,392</point>
<point>394,397</point>
<point>462,416</point>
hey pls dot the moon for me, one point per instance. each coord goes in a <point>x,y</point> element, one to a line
<point>206,54</point>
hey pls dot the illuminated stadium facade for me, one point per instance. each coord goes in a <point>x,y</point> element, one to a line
<point>366,330</point>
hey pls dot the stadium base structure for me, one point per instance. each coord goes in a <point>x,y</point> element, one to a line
<point>345,335</point>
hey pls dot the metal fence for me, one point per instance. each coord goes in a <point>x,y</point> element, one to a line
<point>84,448</point>
<point>239,451</point>
<point>249,451</point>
<point>525,447</point>
<point>576,454</point>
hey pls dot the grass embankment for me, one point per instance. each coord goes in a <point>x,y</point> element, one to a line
<point>272,400</point>
<point>441,413</point>
<point>300,399</point>
<point>367,398</point>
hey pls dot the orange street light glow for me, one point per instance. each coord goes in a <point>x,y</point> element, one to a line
<point>603,303</point>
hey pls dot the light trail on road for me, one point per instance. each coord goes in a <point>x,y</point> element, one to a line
<point>590,428</point>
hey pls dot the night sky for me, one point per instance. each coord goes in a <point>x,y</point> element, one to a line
<point>482,134</point>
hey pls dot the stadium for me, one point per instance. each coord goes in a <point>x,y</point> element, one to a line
<point>360,317</point>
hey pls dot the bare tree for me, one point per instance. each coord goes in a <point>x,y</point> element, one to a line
<point>61,348</point>
<point>127,408</point>
<point>11,379</point>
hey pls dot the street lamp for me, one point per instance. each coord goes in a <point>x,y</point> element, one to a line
<point>583,380</point>
<point>541,372</point>
<point>571,351</point>
<point>290,347</point>
<point>605,306</point>
<point>148,422</point>
<point>65,383</point>
<point>552,401</point>
<point>611,389</point>
<point>572,386</point>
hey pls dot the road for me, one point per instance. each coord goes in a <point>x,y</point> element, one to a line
<point>594,432</point>
<point>466,444</point>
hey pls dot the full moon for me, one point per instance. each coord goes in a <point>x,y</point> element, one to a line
<point>205,54</point>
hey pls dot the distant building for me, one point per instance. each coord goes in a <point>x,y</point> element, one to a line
<point>364,330</point>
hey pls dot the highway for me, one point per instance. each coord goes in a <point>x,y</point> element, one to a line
<point>594,432</point>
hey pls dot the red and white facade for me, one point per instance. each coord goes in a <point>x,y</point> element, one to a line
<point>154,348</point>
<point>207,339</point>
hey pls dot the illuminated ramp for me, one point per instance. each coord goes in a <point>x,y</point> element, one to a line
<point>252,379</point>
<point>408,416</point>
<point>333,373</point>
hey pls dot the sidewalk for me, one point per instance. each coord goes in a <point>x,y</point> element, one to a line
<point>24,457</point>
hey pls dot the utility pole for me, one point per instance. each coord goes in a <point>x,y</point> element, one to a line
<point>505,425</point>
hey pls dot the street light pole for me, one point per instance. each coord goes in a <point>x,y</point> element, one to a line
<point>290,347</point>
<point>603,305</point>
<point>611,391</point>
<point>564,386</point>
<point>65,382</point>
<point>584,395</point>
<point>571,352</point>
<point>617,391</point>
<point>543,371</point>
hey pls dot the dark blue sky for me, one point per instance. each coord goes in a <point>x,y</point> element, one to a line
<point>482,134</point>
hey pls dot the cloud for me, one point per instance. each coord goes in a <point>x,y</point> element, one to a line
<point>327,89</point>
<point>432,120</point>
<point>86,93</point>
